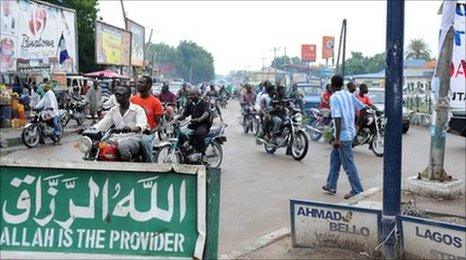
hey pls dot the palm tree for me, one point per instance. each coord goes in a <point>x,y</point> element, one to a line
<point>418,49</point>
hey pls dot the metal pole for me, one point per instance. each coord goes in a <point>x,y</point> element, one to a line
<point>393,129</point>
<point>344,50</point>
<point>339,50</point>
<point>435,170</point>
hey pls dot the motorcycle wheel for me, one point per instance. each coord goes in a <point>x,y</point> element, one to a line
<point>80,119</point>
<point>214,154</point>
<point>315,136</point>
<point>255,126</point>
<point>165,156</point>
<point>270,149</point>
<point>299,146</point>
<point>245,125</point>
<point>65,120</point>
<point>30,136</point>
<point>377,144</point>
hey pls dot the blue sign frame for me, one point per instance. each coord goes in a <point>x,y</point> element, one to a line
<point>293,202</point>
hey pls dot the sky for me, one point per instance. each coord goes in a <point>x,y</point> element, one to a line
<point>241,35</point>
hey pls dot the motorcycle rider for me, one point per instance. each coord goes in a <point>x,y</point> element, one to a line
<point>49,101</point>
<point>364,98</point>
<point>127,117</point>
<point>154,112</point>
<point>351,87</point>
<point>182,95</point>
<point>325,97</point>
<point>277,110</point>
<point>167,97</point>
<point>264,104</point>
<point>201,120</point>
<point>213,93</point>
<point>296,96</point>
<point>247,98</point>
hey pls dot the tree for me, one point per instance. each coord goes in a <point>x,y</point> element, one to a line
<point>86,15</point>
<point>358,64</point>
<point>278,62</point>
<point>161,53</point>
<point>195,64</point>
<point>418,49</point>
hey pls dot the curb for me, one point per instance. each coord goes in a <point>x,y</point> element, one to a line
<point>260,243</point>
<point>16,141</point>
<point>361,196</point>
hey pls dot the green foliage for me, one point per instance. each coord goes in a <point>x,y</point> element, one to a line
<point>193,63</point>
<point>359,64</point>
<point>278,62</point>
<point>86,14</point>
<point>418,49</point>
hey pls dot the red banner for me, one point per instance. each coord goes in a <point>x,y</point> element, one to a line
<point>328,43</point>
<point>308,52</point>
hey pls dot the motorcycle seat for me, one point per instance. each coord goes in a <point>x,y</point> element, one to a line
<point>93,134</point>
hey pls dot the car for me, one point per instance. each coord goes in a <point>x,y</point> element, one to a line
<point>311,93</point>
<point>457,124</point>
<point>377,95</point>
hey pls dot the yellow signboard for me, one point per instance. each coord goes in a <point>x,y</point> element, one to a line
<point>113,45</point>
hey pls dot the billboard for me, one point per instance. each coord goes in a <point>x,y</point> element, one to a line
<point>328,43</point>
<point>112,45</point>
<point>38,36</point>
<point>137,42</point>
<point>308,52</point>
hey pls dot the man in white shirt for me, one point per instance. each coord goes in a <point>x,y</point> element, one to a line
<point>127,117</point>
<point>49,101</point>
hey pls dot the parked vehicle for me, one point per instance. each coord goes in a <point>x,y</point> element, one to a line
<point>372,132</point>
<point>292,136</point>
<point>39,128</point>
<point>74,110</point>
<point>319,119</point>
<point>179,150</point>
<point>457,124</point>
<point>377,96</point>
<point>311,93</point>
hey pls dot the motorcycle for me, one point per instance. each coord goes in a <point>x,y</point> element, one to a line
<point>165,129</point>
<point>223,100</point>
<point>178,149</point>
<point>292,136</point>
<point>74,110</point>
<point>213,106</point>
<point>318,121</point>
<point>99,146</point>
<point>250,120</point>
<point>372,132</point>
<point>39,128</point>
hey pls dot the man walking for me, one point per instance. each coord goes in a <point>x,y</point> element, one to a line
<point>342,106</point>
<point>154,112</point>
<point>94,96</point>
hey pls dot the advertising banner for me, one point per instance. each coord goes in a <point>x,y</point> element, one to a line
<point>308,52</point>
<point>137,43</point>
<point>38,35</point>
<point>328,43</point>
<point>112,45</point>
<point>106,211</point>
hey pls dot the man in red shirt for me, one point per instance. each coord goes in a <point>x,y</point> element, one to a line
<point>364,98</point>
<point>154,111</point>
<point>325,97</point>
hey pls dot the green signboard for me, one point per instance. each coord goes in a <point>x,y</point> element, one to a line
<point>106,211</point>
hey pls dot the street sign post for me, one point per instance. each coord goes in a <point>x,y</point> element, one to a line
<point>317,224</point>
<point>108,209</point>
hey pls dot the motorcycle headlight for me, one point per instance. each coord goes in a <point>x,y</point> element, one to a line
<point>298,117</point>
<point>84,144</point>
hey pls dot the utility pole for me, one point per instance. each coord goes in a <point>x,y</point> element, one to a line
<point>123,10</point>
<point>393,130</point>
<point>435,169</point>
<point>344,50</point>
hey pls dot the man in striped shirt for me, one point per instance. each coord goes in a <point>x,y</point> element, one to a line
<point>343,104</point>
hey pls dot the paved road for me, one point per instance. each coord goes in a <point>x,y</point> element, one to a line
<point>256,187</point>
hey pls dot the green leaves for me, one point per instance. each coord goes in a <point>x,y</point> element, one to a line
<point>193,63</point>
<point>418,49</point>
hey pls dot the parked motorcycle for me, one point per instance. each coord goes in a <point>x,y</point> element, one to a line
<point>74,110</point>
<point>292,136</point>
<point>250,120</point>
<point>179,150</point>
<point>318,121</point>
<point>372,132</point>
<point>39,128</point>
